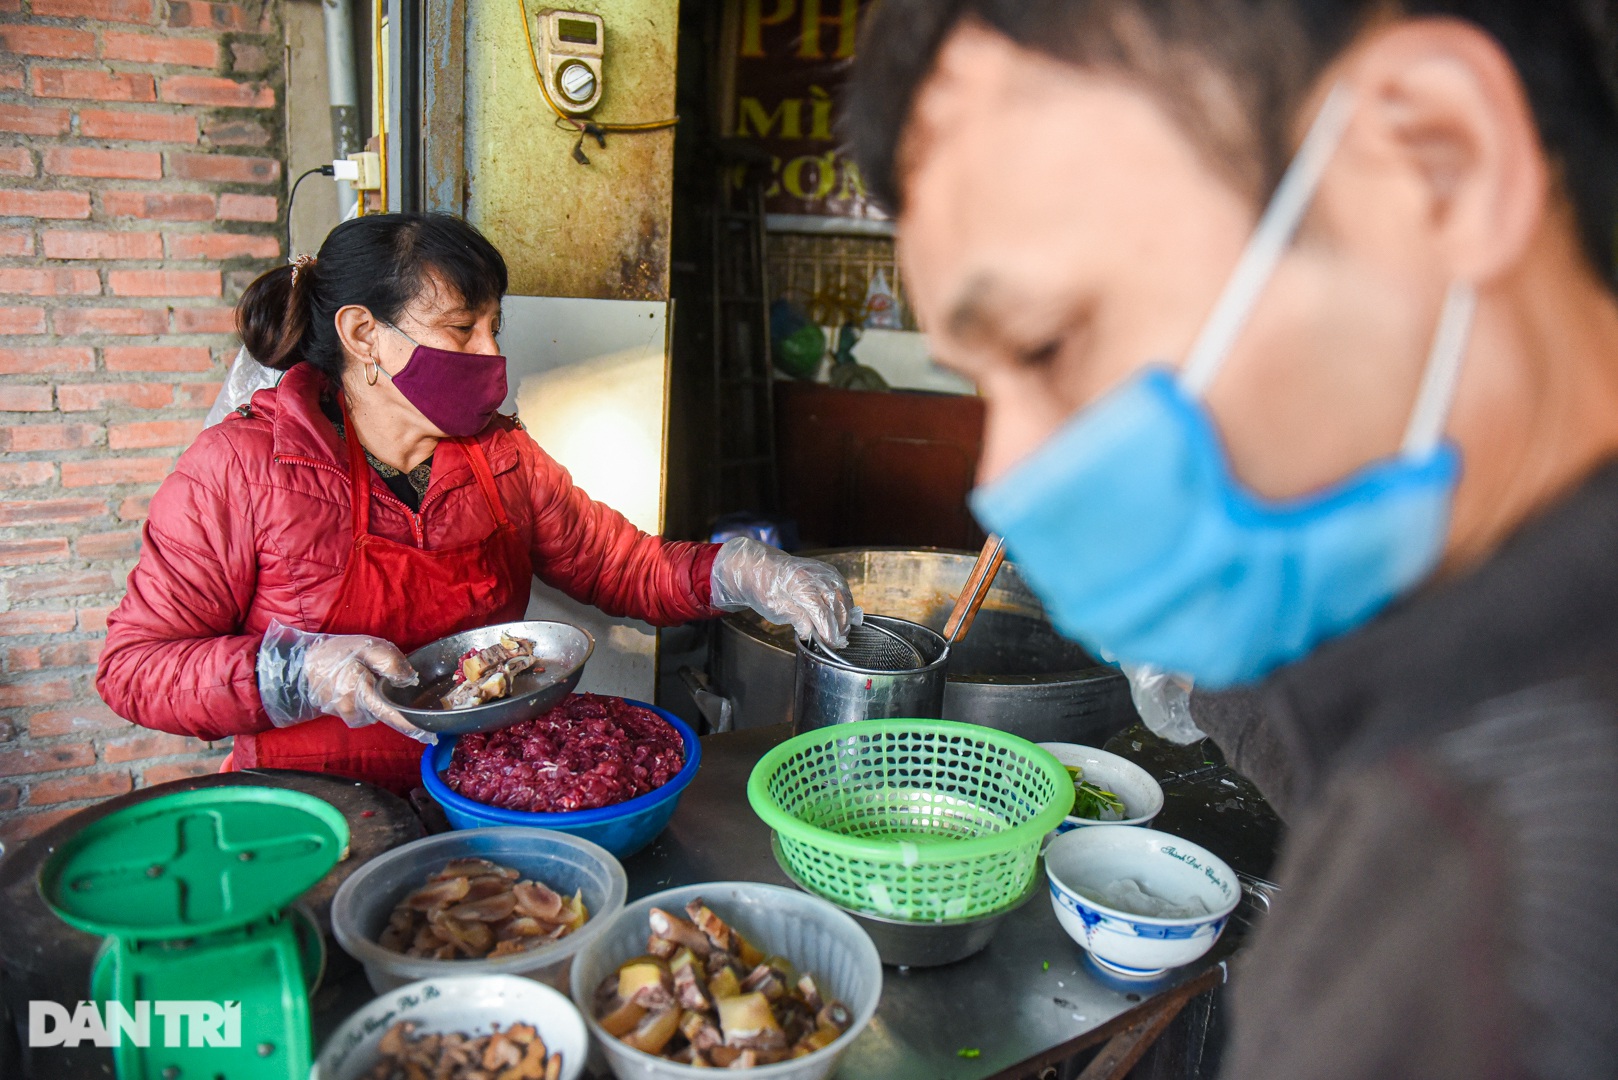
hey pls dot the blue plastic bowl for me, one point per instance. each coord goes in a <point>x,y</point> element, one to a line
<point>622,829</point>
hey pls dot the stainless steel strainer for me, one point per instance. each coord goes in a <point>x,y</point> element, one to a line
<point>876,648</point>
<point>890,667</point>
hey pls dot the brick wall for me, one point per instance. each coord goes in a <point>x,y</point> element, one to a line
<point>141,188</point>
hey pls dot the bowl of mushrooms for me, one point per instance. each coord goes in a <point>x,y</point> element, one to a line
<point>507,900</point>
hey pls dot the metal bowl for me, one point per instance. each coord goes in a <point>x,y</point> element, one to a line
<point>562,650</point>
<point>921,944</point>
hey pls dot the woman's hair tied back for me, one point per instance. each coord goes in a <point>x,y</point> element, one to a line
<point>381,262</point>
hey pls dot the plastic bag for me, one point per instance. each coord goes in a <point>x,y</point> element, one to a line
<point>881,307</point>
<point>797,345</point>
<point>245,378</point>
<point>1164,703</point>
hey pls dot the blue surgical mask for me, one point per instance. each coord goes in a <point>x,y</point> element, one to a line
<point>1132,528</point>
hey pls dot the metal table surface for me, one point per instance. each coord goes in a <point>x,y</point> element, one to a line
<point>1004,1003</point>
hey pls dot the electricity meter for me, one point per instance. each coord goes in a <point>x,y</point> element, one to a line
<point>570,46</point>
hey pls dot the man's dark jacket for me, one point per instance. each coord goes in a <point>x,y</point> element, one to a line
<point>1449,774</point>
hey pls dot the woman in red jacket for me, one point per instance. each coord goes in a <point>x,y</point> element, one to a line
<point>373,502</point>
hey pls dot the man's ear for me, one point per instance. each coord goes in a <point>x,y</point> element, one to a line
<point>357,330</point>
<point>1443,100</point>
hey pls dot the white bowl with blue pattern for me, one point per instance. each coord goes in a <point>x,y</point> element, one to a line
<point>1086,865</point>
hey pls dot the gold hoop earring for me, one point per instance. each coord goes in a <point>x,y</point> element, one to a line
<point>370,374</point>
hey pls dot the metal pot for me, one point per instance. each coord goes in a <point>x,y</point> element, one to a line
<point>1011,671</point>
<point>829,690</point>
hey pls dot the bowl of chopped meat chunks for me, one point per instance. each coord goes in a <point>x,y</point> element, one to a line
<point>606,769</point>
<point>492,677</point>
<point>727,974</point>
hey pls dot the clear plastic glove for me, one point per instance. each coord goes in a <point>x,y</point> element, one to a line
<point>783,588</point>
<point>302,676</point>
<point>1164,702</point>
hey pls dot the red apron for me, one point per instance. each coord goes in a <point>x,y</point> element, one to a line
<point>409,596</point>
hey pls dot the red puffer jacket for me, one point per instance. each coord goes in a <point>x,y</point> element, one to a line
<point>255,525</point>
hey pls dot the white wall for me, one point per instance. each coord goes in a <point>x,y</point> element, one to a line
<point>589,379</point>
<point>902,358</point>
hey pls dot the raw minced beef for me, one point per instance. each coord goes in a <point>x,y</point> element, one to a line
<point>588,752</point>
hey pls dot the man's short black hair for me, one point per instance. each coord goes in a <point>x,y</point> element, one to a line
<point>1266,54</point>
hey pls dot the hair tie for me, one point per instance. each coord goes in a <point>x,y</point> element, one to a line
<point>300,264</point>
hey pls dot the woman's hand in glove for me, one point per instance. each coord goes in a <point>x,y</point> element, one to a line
<point>810,595</point>
<point>1164,702</point>
<point>302,676</point>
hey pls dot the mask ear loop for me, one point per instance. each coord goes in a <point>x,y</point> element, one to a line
<point>401,333</point>
<point>1270,240</point>
<point>1443,372</point>
<point>372,368</point>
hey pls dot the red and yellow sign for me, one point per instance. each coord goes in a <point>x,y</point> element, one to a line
<point>790,61</point>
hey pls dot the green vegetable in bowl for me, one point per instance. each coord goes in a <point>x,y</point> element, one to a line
<point>1092,802</point>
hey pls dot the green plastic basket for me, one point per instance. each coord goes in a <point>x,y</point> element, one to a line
<point>911,819</point>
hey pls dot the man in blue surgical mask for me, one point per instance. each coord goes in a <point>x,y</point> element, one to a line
<point>1296,326</point>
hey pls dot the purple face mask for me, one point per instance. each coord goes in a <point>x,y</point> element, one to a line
<point>459,392</point>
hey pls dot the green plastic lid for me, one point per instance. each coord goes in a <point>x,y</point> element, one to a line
<point>193,863</point>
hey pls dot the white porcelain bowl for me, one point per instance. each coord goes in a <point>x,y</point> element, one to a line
<point>468,1004</point>
<point>1092,861</point>
<point>1142,795</point>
